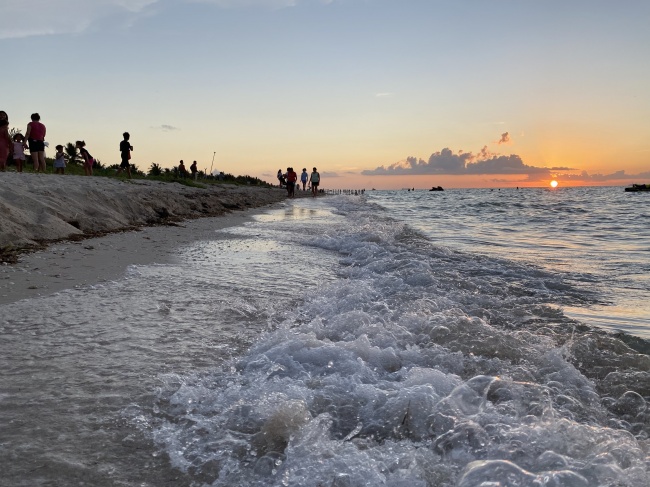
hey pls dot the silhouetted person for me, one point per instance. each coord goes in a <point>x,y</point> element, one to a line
<point>125,151</point>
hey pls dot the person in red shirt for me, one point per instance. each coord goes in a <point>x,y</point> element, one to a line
<point>35,136</point>
<point>292,177</point>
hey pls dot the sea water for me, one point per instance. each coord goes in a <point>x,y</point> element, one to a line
<point>466,338</point>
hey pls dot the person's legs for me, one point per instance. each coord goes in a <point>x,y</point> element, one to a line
<point>41,161</point>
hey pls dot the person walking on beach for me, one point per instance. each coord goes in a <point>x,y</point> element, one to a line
<point>85,155</point>
<point>6,146</point>
<point>125,152</point>
<point>194,171</point>
<point>292,177</point>
<point>314,179</point>
<point>59,160</point>
<point>35,136</point>
<point>19,152</point>
<point>304,177</point>
<point>280,177</point>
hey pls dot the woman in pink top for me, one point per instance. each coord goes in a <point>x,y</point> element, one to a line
<point>35,136</point>
<point>6,146</point>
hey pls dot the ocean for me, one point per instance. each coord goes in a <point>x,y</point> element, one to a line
<point>469,338</point>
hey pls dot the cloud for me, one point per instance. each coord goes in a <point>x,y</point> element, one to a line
<point>165,128</point>
<point>585,177</point>
<point>505,138</point>
<point>25,18</point>
<point>272,4</point>
<point>461,163</point>
<point>383,95</point>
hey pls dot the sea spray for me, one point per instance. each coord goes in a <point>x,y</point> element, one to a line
<point>417,365</point>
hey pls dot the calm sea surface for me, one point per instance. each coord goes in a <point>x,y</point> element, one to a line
<point>597,238</point>
<point>468,338</point>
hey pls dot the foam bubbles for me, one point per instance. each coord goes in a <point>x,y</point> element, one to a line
<point>416,366</point>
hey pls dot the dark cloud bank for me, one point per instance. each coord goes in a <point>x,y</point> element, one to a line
<point>462,163</point>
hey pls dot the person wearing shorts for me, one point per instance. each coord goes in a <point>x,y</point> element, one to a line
<point>304,177</point>
<point>314,179</point>
<point>35,136</point>
<point>125,151</point>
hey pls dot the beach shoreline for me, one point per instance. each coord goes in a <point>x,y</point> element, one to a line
<point>58,233</point>
<point>37,209</point>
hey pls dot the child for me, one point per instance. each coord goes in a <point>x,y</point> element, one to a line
<point>88,159</point>
<point>19,152</point>
<point>59,160</point>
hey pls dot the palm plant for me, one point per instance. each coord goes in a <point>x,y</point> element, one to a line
<point>73,154</point>
<point>155,170</point>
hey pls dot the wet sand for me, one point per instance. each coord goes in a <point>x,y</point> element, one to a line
<point>57,372</point>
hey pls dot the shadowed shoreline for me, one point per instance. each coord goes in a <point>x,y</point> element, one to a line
<point>38,210</point>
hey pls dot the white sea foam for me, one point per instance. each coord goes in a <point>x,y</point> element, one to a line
<point>408,363</point>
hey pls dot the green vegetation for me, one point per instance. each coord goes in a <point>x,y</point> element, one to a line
<point>156,172</point>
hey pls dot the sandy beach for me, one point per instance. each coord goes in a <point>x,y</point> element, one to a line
<point>37,208</point>
<point>62,232</point>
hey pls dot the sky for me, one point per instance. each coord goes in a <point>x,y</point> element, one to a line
<point>383,94</point>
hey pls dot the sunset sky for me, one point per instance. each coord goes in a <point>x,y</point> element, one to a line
<point>375,93</point>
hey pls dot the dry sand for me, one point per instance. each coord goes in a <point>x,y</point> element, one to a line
<point>84,230</point>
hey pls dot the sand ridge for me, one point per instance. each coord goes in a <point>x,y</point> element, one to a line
<point>41,208</point>
<point>62,232</point>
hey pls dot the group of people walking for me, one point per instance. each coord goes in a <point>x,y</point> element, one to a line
<point>290,180</point>
<point>34,140</point>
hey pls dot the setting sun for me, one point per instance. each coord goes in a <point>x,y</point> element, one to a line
<point>554,184</point>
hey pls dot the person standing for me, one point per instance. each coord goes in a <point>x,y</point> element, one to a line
<point>314,179</point>
<point>280,177</point>
<point>125,151</point>
<point>6,146</point>
<point>304,177</point>
<point>19,152</point>
<point>59,160</point>
<point>292,178</point>
<point>194,170</point>
<point>182,171</point>
<point>35,136</point>
<point>85,155</point>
